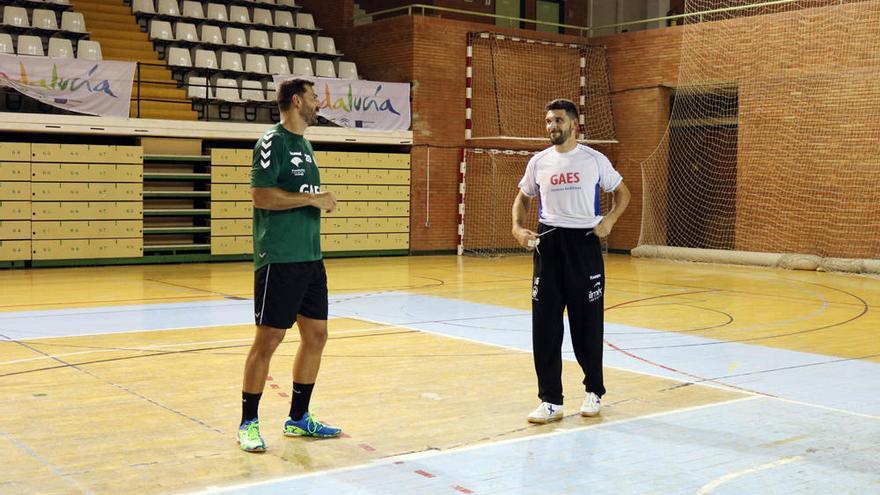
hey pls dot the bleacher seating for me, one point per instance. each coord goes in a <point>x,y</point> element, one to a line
<point>41,19</point>
<point>220,51</point>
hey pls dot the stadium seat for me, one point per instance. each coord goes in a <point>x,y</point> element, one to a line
<point>281,41</point>
<point>252,91</point>
<point>226,90</point>
<point>15,16</point>
<point>206,59</point>
<point>347,70</point>
<point>231,61</point>
<point>305,21</point>
<point>144,6</point>
<point>6,45</point>
<point>303,43</point>
<point>326,45</point>
<point>303,67</point>
<point>73,22</point>
<point>235,37</point>
<point>197,87</point>
<point>193,9</point>
<point>44,19</point>
<point>160,30</point>
<point>255,63</point>
<point>258,39</point>
<point>211,35</point>
<point>217,12</point>
<point>91,50</point>
<point>239,14</point>
<point>270,91</point>
<point>30,45</point>
<point>168,7</point>
<point>184,31</point>
<point>60,48</point>
<point>263,16</point>
<point>324,68</point>
<point>278,65</point>
<point>178,57</point>
<point>284,18</point>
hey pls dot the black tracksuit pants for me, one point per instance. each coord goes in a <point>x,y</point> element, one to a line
<point>568,273</point>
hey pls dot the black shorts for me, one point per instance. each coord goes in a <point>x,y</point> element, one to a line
<point>284,290</point>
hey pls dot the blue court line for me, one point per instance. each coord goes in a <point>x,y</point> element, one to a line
<point>851,385</point>
<point>756,445</point>
<point>26,325</point>
<point>818,379</point>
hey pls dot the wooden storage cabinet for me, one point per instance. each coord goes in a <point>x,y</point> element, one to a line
<point>15,202</point>
<point>372,190</point>
<point>86,202</point>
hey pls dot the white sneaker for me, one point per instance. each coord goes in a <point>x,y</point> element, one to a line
<point>592,404</point>
<point>545,413</point>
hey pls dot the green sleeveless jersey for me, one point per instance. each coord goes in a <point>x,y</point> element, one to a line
<point>286,160</point>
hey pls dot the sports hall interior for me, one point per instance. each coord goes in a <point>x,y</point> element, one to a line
<point>742,339</point>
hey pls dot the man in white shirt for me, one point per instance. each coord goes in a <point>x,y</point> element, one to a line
<point>568,268</point>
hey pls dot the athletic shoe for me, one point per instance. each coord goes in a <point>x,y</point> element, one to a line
<point>545,413</point>
<point>592,404</point>
<point>308,426</point>
<point>249,436</point>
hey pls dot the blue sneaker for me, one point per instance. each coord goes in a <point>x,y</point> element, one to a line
<point>308,426</point>
<point>249,438</point>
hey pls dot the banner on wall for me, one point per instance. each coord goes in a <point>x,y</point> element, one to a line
<point>83,86</point>
<point>362,104</point>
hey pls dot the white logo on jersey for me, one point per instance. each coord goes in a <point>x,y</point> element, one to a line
<point>297,158</point>
<point>266,150</point>
<point>307,188</point>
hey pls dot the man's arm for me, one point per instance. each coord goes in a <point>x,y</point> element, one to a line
<point>619,201</point>
<point>273,198</point>
<point>520,210</point>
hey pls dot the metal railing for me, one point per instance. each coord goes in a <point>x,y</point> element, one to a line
<point>584,31</point>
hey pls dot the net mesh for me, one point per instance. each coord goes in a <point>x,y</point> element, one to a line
<point>491,184</point>
<point>774,138</point>
<point>513,79</point>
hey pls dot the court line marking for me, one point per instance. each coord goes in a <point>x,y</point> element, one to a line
<point>712,485</point>
<point>380,325</point>
<point>171,345</point>
<point>51,467</point>
<point>454,450</point>
<point>715,385</point>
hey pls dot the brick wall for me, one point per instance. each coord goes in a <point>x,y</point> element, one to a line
<point>334,17</point>
<point>430,52</point>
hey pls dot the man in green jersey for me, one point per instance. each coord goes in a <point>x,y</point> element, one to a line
<point>290,284</point>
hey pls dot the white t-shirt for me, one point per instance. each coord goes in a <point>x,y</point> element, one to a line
<point>567,186</point>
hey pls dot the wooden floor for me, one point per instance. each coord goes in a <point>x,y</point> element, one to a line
<point>156,411</point>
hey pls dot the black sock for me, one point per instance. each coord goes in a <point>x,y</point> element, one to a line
<point>249,405</point>
<point>302,394</point>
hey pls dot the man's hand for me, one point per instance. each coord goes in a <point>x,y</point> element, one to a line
<point>604,228</point>
<point>523,236</point>
<point>325,201</point>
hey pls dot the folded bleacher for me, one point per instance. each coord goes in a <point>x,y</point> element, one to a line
<point>226,54</point>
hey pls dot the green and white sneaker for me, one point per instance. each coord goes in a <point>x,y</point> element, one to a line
<point>249,438</point>
<point>308,426</point>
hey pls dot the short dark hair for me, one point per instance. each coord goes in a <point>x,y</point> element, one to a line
<point>563,104</point>
<point>288,88</point>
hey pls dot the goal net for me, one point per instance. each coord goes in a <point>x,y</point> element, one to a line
<point>511,79</point>
<point>771,155</point>
<point>490,184</point>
